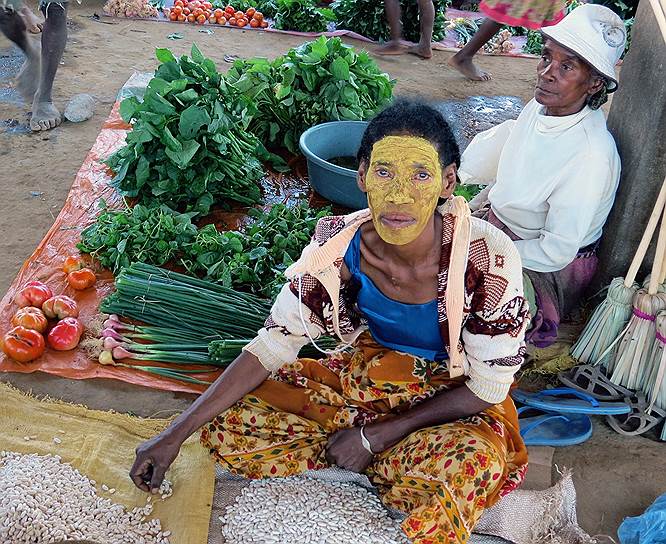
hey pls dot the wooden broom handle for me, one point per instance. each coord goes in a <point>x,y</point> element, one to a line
<point>647,237</point>
<point>659,253</point>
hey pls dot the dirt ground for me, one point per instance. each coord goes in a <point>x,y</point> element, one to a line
<point>615,476</point>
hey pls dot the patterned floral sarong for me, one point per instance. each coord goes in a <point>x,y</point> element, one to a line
<point>442,476</point>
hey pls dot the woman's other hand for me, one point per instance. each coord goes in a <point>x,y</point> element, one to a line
<point>345,449</point>
<point>153,459</point>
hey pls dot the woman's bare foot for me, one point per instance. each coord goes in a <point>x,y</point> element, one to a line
<point>467,68</point>
<point>421,50</point>
<point>45,116</point>
<point>391,48</point>
<point>33,24</point>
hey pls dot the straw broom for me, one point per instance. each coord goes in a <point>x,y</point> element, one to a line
<point>611,316</point>
<point>633,353</point>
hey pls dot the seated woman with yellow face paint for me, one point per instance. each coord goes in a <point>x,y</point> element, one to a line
<point>429,305</point>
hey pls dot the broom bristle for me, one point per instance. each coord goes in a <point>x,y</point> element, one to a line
<point>633,353</point>
<point>605,324</point>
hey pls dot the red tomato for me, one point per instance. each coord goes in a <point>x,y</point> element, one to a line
<point>250,12</point>
<point>201,19</point>
<point>186,11</point>
<point>264,24</point>
<point>258,16</point>
<point>230,10</point>
<point>221,21</point>
<point>59,307</point>
<point>232,21</point>
<point>66,334</point>
<point>242,22</point>
<point>84,278</point>
<point>179,3</point>
<point>178,11</point>
<point>34,293</point>
<point>182,18</point>
<point>218,13</point>
<point>207,5</point>
<point>254,23</point>
<point>191,18</point>
<point>23,345</point>
<point>239,15</point>
<point>30,318</point>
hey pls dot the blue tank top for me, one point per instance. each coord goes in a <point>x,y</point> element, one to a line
<point>410,328</point>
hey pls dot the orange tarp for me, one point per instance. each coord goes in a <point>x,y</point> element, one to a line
<point>46,261</point>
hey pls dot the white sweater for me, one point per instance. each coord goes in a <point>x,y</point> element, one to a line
<point>553,181</point>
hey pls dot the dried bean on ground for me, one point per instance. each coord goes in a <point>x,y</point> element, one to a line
<point>44,501</point>
<point>299,510</point>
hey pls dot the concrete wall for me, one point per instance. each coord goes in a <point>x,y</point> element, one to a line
<point>637,120</point>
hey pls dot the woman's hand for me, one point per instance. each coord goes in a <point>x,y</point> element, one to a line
<point>345,449</point>
<point>153,458</point>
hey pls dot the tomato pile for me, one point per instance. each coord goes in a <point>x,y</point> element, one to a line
<point>195,11</point>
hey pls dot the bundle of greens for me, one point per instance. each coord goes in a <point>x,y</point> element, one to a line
<point>302,15</point>
<point>252,259</point>
<point>187,321</point>
<point>189,147</point>
<point>368,18</point>
<point>323,80</point>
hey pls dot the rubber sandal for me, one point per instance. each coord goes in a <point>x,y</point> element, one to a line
<point>556,430</point>
<point>556,400</point>
<point>639,420</point>
<point>590,379</point>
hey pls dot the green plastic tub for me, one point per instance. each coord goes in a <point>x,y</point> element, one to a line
<point>333,182</point>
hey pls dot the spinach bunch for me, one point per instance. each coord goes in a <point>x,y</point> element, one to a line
<point>368,18</point>
<point>534,43</point>
<point>301,15</point>
<point>319,81</point>
<point>189,147</point>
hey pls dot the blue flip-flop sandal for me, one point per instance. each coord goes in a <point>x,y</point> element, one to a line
<point>559,400</point>
<point>556,430</point>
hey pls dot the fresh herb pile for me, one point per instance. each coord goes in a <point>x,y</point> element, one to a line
<point>302,15</point>
<point>252,259</point>
<point>319,81</point>
<point>368,18</point>
<point>189,147</point>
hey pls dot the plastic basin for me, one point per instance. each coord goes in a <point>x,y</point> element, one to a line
<point>333,182</point>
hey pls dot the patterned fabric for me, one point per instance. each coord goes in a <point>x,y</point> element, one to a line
<point>556,293</point>
<point>495,313</point>
<point>532,14</point>
<point>442,476</point>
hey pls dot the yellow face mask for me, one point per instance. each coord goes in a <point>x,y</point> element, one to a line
<point>404,182</point>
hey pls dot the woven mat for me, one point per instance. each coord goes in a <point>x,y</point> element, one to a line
<point>101,445</point>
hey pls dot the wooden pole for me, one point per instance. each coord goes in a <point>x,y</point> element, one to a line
<point>637,120</point>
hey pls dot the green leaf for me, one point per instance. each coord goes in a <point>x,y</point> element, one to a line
<point>171,141</point>
<point>128,108</point>
<point>142,171</point>
<point>340,69</point>
<point>190,95</point>
<point>196,54</point>
<point>282,91</point>
<point>191,120</point>
<point>164,55</point>
<point>182,159</point>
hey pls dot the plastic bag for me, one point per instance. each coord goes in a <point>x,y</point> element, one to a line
<point>648,528</point>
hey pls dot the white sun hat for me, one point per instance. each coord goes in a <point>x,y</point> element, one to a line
<point>596,34</point>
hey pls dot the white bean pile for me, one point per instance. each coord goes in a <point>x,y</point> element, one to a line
<point>43,500</point>
<point>298,510</point>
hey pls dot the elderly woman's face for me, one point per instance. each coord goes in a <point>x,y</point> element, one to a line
<point>564,81</point>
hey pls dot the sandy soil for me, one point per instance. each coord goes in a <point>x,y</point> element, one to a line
<point>615,476</point>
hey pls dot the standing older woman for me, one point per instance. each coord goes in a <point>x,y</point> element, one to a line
<point>418,403</point>
<point>554,171</point>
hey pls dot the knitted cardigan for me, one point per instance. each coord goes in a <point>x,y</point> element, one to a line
<point>494,318</point>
